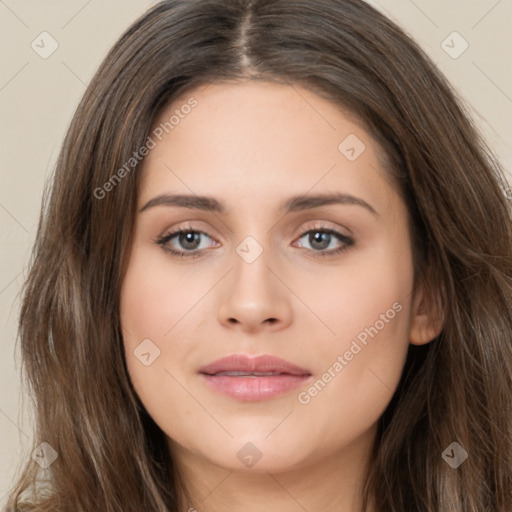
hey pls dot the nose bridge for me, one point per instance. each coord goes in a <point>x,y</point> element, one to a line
<point>251,273</point>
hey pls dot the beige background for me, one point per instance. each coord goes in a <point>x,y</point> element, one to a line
<point>38,97</point>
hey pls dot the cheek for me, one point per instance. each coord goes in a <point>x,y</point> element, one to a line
<point>355,296</point>
<point>146,313</point>
<point>154,295</point>
<point>159,308</point>
<point>368,308</point>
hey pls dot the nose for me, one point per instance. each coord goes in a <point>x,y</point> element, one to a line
<point>255,297</point>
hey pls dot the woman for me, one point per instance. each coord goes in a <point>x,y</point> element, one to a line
<point>365,369</point>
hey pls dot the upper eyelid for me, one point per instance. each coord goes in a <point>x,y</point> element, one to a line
<point>320,226</point>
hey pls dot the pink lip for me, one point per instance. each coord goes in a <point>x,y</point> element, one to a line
<point>287,376</point>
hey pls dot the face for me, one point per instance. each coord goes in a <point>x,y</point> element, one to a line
<point>323,281</point>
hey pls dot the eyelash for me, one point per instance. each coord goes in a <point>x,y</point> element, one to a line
<point>165,239</point>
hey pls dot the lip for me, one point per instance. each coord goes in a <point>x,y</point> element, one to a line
<point>286,377</point>
<point>243,363</point>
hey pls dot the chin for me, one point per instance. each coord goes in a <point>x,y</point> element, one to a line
<point>259,456</point>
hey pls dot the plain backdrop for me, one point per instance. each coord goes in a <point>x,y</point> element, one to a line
<point>39,93</point>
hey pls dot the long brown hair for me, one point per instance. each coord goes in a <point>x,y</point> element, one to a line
<point>458,388</point>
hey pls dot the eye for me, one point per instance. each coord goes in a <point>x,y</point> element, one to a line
<point>321,238</point>
<point>188,241</point>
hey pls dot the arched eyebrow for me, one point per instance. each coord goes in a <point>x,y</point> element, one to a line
<point>307,201</point>
<point>293,204</point>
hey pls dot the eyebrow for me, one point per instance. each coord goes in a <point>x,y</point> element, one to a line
<point>293,204</point>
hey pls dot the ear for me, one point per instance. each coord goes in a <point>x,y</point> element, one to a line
<point>426,319</point>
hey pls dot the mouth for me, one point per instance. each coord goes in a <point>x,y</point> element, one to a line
<point>253,379</point>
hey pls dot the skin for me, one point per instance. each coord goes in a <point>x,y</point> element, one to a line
<point>252,145</point>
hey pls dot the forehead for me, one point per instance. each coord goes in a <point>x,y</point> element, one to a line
<point>262,109</point>
<point>261,137</point>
